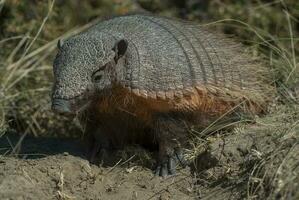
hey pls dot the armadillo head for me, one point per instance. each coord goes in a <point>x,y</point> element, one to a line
<point>83,68</point>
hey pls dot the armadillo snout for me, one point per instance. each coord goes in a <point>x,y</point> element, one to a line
<point>61,106</point>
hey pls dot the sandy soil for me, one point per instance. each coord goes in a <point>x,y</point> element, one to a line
<point>66,174</point>
<point>254,162</point>
<point>69,177</point>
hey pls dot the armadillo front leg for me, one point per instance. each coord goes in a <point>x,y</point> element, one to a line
<point>98,145</point>
<point>97,142</point>
<point>170,134</point>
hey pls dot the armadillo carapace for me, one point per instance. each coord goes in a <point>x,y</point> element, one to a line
<point>138,79</point>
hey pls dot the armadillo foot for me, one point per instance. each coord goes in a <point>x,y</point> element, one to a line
<point>98,154</point>
<point>97,150</point>
<point>93,152</point>
<point>167,165</point>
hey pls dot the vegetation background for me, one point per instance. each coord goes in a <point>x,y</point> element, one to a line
<point>29,30</point>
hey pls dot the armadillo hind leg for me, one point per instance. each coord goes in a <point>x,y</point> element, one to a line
<point>170,134</point>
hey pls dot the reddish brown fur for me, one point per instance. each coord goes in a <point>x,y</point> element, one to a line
<point>195,101</point>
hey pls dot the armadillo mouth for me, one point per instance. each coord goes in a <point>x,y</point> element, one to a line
<point>62,106</point>
<point>69,106</point>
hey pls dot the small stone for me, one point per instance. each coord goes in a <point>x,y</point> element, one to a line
<point>66,153</point>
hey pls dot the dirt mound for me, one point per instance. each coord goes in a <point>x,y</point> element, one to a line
<point>68,177</point>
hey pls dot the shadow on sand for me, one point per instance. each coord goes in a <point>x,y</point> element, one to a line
<point>30,147</point>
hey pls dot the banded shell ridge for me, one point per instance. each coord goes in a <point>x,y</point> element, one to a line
<point>168,59</point>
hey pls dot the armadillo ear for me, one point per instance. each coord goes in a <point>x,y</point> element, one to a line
<point>59,44</point>
<point>120,48</point>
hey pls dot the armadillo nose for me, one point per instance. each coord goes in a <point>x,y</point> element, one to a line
<point>61,106</point>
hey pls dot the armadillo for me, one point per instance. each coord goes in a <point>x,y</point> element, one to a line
<point>138,79</point>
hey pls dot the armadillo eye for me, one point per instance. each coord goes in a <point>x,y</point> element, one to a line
<point>97,76</point>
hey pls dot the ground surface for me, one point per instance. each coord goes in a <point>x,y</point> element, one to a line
<point>69,177</point>
<point>252,161</point>
<point>65,176</point>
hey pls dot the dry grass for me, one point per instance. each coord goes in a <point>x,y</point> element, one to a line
<point>275,173</point>
<point>26,82</point>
